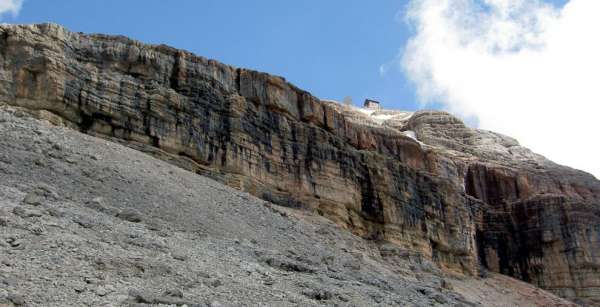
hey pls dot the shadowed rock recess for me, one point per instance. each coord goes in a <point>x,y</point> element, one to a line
<point>466,199</point>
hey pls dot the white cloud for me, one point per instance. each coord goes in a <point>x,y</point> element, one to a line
<point>10,6</point>
<point>521,67</point>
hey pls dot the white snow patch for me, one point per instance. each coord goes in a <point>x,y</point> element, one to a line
<point>365,111</point>
<point>411,134</point>
<point>383,117</point>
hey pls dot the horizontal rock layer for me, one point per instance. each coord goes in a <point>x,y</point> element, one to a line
<point>459,197</point>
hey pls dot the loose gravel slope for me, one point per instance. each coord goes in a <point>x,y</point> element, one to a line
<point>88,222</point>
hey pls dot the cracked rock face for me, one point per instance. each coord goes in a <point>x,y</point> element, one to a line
<point>424,182</point>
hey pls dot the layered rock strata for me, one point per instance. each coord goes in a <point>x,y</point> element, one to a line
<point>424,182</point>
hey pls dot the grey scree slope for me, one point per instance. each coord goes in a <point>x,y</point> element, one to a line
<point>87,222</point>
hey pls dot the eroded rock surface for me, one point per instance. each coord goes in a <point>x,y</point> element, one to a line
<point>193,241</point>
<point>423,182</point>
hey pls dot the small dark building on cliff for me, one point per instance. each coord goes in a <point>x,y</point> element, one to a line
<point>372,104</point>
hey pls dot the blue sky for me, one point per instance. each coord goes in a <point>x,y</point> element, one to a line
<point>331,48</point>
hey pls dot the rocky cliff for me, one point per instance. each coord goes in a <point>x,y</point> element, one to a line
<point>423,183</point>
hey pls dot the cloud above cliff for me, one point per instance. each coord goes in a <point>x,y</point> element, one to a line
<point>524,68</point>
<point>10,7</point>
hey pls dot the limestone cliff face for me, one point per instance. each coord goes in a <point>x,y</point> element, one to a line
<point>540,221</point>
<point>459,197</point>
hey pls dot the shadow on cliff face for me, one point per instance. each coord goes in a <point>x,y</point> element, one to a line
<point>548,239</point>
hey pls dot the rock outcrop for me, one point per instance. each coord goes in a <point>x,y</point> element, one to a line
<point>426,184</point>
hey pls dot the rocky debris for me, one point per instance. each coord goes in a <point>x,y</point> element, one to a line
<point>318,295</point>
<point>214,283</point>
<point>26,213</point>
<point>147,298</point>
<point>352,264</point>
<point>33,199</point>
<point>14,242</point>
<point>16,299</point>
<point>458,198</point>
<point>210,246</point>
<point>38,195</point>
<point>130,215</point>
<point>180,256</point>
<point>100,205</point>
<point>104,290</point>
<point>288,265</point>
<point>502,293</point>
<point>173,293</point>
<point>37,230</point>
<point>4,218</point>
<point>84,221</point>
<point>55,212</point>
